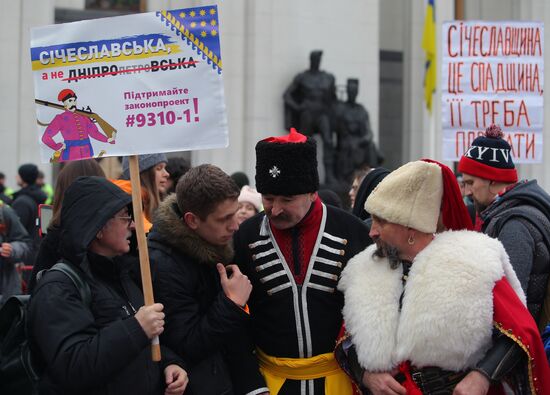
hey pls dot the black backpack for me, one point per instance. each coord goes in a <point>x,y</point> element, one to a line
<point>19,371</point>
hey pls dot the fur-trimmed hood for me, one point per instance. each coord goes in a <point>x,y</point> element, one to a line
<point>446,318</point>
<point>169,228</point>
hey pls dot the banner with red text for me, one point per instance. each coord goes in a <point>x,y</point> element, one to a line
<point>493,73</point>
<point>127,85</point>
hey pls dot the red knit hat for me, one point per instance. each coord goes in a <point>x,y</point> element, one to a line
<point>490,157</point>
<point>453,210</point>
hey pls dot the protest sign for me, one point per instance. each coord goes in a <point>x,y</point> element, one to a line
<point>127,85</point>
<point>493,73</point>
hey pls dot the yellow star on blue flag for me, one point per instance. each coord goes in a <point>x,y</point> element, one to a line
<point>200,26</point>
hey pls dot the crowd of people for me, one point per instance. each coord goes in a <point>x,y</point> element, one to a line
<point>277,289</point>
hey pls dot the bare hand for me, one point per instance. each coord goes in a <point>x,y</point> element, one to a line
<point>6,250</point>
<point>237,287</point>
<point>176,380</point>
<point>382,384</point>
<point>151,319</point>
<point>63,146</point>
<point>474,383</point>
<point>111,140</point>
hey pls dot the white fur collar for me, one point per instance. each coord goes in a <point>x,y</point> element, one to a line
<point>447,313</point>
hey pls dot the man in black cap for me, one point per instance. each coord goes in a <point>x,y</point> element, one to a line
<point>293,253</point>
<point>516,213</point>
<point>25,204</point>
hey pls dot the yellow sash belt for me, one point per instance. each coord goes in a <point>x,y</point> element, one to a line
<point>277,370</point>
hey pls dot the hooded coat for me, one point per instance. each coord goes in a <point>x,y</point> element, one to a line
<point>200,320</point>
<point>100,348</point>
<point>520,219</point>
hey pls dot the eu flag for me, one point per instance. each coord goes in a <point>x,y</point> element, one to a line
<point>200,27</point>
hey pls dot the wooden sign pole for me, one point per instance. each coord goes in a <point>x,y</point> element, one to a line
<point>142,245</point>
<point>459,9</point>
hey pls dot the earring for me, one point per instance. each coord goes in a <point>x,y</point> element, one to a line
<point>410,240</point>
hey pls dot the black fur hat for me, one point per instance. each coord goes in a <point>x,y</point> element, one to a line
<point>287,165</point>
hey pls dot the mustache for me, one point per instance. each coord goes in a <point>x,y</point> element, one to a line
<point>282,216</point>
<point>384,250</point>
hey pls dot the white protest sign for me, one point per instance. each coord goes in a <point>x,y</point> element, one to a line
<point>493,73</point>
<point>129,85</point>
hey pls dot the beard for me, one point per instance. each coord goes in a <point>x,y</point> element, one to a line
<point>479,207</point>
<point>384,250</point>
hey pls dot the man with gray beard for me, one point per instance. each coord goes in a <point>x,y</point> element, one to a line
<point>434,313</point>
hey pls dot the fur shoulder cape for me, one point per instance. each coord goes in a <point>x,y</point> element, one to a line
<point>446,319</point>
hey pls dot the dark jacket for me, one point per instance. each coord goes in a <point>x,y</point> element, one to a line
<point>288,319</point>
<point>48,254</point>
<point>25,203</point>
<point>200,319</point>
<point>13,232</point>
<point>101,348</point>
<point>520,219</point>
<point>3,196</point>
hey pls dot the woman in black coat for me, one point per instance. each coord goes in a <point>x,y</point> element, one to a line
<point>103,347</point>
<point>48,253</point>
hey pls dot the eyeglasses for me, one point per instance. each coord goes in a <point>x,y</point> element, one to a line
<point>128,219</point>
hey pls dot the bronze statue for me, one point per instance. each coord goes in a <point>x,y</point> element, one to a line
<point>356,148</point>
<point>308,103</point>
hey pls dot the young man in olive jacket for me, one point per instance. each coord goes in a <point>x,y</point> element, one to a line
<point>205,301</point>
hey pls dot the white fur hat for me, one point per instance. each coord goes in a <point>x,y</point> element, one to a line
<point>409,196</point>
<point>250,195</point>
